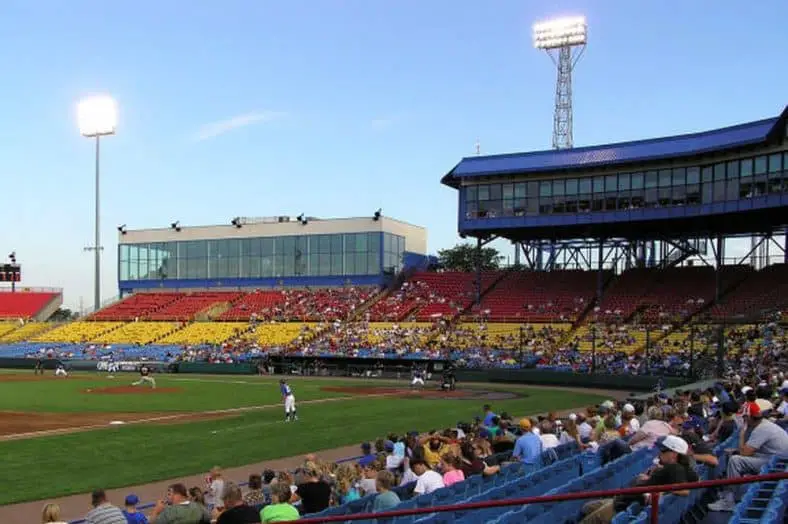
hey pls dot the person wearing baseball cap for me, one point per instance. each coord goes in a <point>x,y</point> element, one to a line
<point>759,440</point>
<point>131,513</point>
<point>528,448</point>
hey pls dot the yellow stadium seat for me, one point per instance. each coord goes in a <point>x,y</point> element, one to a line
<point>138,333</point>
<point>268,335</point>
<point>27,332</point>
<point>7,327</point>
<point>77,332</point>
<point>205,333</point>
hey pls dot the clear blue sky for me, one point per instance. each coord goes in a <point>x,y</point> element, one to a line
<point>348,105</point>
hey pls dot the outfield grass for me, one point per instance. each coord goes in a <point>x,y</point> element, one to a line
<point>122,456</point>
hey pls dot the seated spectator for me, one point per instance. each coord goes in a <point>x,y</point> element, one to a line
<point>547,435</point>
<point>472,464</point>
<point>51,515</point>
<point>346,484</point>
<point>427,480</point>
<point>255,495</point>
<point>528,448</point>
<point>315,493</point>
<point>131,513</point>
<point>280,510</point>
<point>434,446</point>
<point>235,511</point>
<point>759,440</point>
<point>103,512</point>
<point>452,470</point>
<point>369,475</point>
<point>179,509</point>
<point>386,498</point>
<point>653,429</point>
<point>367,457</point>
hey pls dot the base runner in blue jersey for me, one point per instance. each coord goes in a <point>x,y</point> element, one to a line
<point>289,400</point>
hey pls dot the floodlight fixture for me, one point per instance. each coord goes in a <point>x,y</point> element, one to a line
<point>122,229</point>
<point>378,214</point>
<point>97,116</point>
<point>176,225</point>
<point>302,218</point>
<point>236,222</point>
<point>560,32</point>
<point>564,40</point>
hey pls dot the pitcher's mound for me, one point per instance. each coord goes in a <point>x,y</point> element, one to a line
<point>131,390</point>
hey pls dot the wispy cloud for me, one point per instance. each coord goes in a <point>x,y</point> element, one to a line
<point>214,129</point>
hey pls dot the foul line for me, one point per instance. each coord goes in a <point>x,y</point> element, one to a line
<point>176,416</point>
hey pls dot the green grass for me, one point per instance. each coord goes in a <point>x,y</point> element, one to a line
<point>122,456</point>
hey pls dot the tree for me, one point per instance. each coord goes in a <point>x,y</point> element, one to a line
<point>62,314</point>
<point>462,257</point>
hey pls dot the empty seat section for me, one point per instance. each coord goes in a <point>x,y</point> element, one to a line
<point>324,305</point>
<point>763,291</point>
<point>77,332</point>
<point>136,306</point>
<point>190,304</point>
<point>397,305</point>
<point>272,335</point>
<point>611,338</point>
<point>23,304</point>
<point>137,333</point>
<point>540,296</point>
<point>7,327</point>
<point>259,303</point>
<point>27,332</point>
<point>205,333</point>
<point>447,294</point>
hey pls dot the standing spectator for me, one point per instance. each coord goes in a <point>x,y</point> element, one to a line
<point>131,513</point>
<point>103,512</point>
<point>179,509</point>
<point>367,457</point>
<point>280,510</point>
<point>528,448</point>
<point>386,498</point>
<point>215,487</point>
<point>51,514</point>
<point>235,511</point>
<point>428,480</point>
<point>315,493</point>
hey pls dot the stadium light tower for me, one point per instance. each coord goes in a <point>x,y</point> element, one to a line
<point>564,40</point>
<point>97,116</point>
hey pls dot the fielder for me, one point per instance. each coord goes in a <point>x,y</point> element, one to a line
<point>60,371</point>
<point>418,378</point>
<point>112,368</point>
<point>289,400</point>
<point>145,378</point>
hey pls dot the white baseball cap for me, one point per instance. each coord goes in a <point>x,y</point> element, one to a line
<point>745,389</point>
<point>673,443</point>
<point>629,408</point>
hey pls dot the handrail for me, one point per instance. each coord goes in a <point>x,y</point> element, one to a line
<point>601,494</point>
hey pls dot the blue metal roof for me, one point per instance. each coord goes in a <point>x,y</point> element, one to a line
<point>624,152</point>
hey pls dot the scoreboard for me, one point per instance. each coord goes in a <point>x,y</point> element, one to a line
<point>10,273</point>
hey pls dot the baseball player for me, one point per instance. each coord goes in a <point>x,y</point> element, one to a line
<point>418,378</point>
<point>39,367</point>
<point>289,400</point>
<point>60,370</point>
<point>112,367</point>
<point>145,378</point>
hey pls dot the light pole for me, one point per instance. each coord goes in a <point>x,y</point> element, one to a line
<point>97,116</point>
<point>562,36</point>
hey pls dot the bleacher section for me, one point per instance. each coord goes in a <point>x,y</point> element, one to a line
<point>200,333</point>
<point>272,335</point>
<point>530,296</point>
<point>136,306</point>
<point>766,290</point>
<point>77,332</point>
<point>187,306</point>
<point>260,303</point>
<point>136,333</point>
<point>25,304</point>
<point>448,294</point>
<point>26,332</point>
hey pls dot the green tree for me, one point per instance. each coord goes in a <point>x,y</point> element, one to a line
<point>462,257</point>
<point>62,314</point>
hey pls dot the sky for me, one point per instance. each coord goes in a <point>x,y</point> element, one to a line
<point>332,108</point>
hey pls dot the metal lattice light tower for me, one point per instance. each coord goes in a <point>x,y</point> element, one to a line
<point>564,40</point>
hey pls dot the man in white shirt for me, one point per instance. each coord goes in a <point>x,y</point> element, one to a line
<point>428,480</point>
<point>782,409</point>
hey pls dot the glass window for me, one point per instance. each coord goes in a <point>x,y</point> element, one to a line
<point>508,191</point>
<point>599,184</point>
<point>373,264</point>
<point>267,246</point>
<point>336,242</point>
<point>545,188</point>
<point>558,187</point>
<point>571,186</point>
<point>760,165</point>
<point>651,179</point>
<point>484,192</point>
<point>373,242</point>
<point>707,174</point>
<point>746,167</point>
<point>288,246</point>
<point>693,175</point>
<point>775,163</point>
<point>519,190</point>
<point>733,170</point>
<point>470,194</point>
<point>637,180</point>
<point>324,245</point>
<point>679,176</point>
<point>623,182</point>
<point>732,190</point>
<point>719,172</point>
<point>495,191</point>
<point>664,178</point>
<point>250,247</point>
<point>533,189</point>
<point>585,186</point>
<point>611,183</point>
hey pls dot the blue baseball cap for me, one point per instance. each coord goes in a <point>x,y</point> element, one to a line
<point>132,500</point>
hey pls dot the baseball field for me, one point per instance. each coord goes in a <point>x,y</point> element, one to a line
<point>61,436</point>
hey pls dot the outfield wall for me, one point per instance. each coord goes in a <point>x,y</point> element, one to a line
<point>374,368</point>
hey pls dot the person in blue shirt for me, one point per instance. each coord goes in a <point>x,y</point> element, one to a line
<point>131,513</point>
<point>367,458</point>
<point>528,448</point>
<point>289,399</point>
<point>488,416</point>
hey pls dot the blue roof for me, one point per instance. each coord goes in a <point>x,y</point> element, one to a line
<point>624,152</point>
